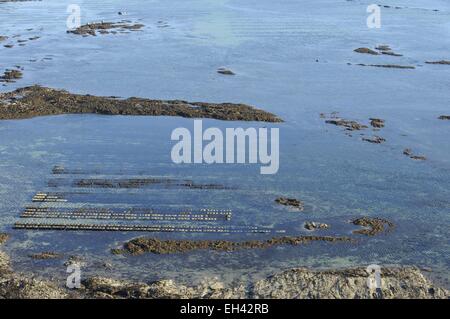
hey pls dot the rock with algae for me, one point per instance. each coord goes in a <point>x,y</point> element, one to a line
<point>40,101</point>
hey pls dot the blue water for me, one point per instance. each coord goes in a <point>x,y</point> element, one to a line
<point>273,49</point>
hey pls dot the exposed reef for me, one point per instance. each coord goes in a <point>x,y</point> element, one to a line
<point>374,226</point>
<point>292,202</point>
<point>40,101</point>
<point>91,29</point>
<point>141,245</point>
<point>347,124</point>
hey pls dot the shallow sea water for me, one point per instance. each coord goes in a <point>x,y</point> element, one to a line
<point>290,58</point>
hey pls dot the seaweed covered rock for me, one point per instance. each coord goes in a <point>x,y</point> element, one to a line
<point>373,226</point>
<point>40,101</point>
<point>347,124</point>
<point>91,29</point>
<point>366,51</point>
<point>141,245</point>
<point>292,202</point>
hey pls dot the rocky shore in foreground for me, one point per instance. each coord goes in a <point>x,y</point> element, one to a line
<point>36,100</point>
<point>397,282</point>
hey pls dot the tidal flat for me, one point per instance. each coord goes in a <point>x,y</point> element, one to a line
<point>85,136</point>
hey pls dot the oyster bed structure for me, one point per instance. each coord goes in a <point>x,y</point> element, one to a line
<point>40,101</point>
<point>65,210</point>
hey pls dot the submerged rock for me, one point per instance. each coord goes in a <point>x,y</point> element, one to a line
<point>375,139</point>
<point>38,101</point>
<point>389,66</point>
<point>391,53</point>
<point>409,152</point>
<point>141,245</point>
<point>374,226</point>
<point>293,202</point>
<point>11,76</point>
<point>443,62</point>
<point>419,157</point>
<point>225,71</point>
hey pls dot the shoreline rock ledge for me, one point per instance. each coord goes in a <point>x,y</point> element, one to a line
<point>397,282</point>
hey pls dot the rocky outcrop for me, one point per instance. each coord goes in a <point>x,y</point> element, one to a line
<point>298,283</point>
<point>39,101</point>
